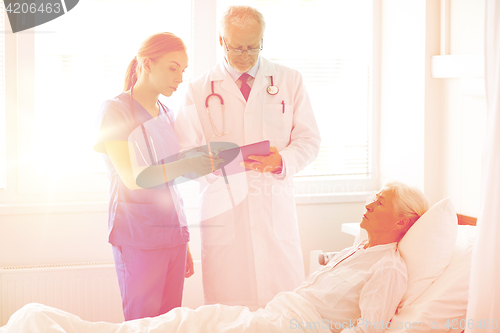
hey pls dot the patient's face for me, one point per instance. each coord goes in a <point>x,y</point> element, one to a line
<point>380,216</point>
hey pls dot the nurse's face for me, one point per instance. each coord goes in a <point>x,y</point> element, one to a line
<point>166,72</point>
<point>242,38</point>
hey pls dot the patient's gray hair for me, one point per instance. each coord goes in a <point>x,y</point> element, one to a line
<point>241,16</point>
<point>409,202</point>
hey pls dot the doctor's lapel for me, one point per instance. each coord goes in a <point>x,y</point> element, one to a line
<point>230,86</point>
<point>259,84</point>
<point>262,79</point>
<point>219,73</point>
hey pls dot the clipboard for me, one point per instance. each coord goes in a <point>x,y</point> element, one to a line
<point>234,156</point>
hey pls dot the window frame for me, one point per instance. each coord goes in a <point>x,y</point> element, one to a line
<point>27,181</point>
<point>352,188</point>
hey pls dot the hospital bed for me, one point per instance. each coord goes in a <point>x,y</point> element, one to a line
<point>438,254</point>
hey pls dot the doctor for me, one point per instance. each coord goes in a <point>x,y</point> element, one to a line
<point>250,238</point>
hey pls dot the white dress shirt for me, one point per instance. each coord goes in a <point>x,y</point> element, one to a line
<point>235,75</point>
<point>359,289</point>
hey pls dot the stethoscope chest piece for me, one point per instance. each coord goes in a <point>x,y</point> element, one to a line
<point>272,90</point>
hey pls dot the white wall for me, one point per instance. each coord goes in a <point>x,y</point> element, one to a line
<point>431,132</point>
<point>62,237</point>
<point>411,104</point>
<point>30,239</point>
<point>465,114</point>
<point>402,92</point>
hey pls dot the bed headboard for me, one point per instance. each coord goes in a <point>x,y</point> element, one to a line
<point>466,220</point>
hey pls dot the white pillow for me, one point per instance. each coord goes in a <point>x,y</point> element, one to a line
<point>444,304</point>
<point>427,248</point>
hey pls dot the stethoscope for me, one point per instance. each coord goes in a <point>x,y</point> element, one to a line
<point>271,90</point>
<point>151,148</point>
<point>147,138</point>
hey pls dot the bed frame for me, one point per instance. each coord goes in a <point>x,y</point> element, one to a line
<point>466,220</point>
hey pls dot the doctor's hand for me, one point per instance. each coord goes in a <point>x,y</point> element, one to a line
<point>189,264</point>
<point>265,163</point>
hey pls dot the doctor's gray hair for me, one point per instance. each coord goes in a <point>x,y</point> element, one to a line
<point>241,16</point>
<point>409,202</point>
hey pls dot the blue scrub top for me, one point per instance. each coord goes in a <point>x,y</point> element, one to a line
<point>145,218</point>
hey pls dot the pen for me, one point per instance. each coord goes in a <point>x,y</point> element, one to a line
<point>283,103</point>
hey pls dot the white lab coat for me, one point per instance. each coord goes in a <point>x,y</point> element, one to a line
<point>252,251</point>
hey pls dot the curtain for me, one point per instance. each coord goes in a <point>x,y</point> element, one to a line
<point>484,292</point>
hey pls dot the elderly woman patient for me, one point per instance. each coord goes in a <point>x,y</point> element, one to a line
<point>358,290</point>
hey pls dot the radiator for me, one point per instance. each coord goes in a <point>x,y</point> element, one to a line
<point>88,290</point>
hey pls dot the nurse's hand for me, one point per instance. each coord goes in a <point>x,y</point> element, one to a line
<point>189,264</point>
<point>203,164</point>
<point>265,163</point>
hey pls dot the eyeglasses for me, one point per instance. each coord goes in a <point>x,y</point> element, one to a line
<point>238,52</point>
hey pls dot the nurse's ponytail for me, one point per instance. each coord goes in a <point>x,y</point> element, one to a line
<point>130,75</point>
<point>152,48</point>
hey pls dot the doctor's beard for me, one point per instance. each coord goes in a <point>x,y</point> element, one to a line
<point>240,68</point>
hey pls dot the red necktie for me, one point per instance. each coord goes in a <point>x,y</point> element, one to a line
<point>245,88</point>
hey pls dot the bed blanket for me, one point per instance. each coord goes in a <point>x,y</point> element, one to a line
<point>287,312</point>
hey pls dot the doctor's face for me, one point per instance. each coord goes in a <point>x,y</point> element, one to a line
<point>380,216</point>
<point>242,38</point>
<point>166,72</point>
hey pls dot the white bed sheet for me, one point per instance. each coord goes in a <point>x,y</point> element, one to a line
<point>287,312</point>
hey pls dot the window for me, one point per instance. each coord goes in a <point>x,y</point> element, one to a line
<point>70,65</point>
<point>78,64</point>
<point>330,42</point>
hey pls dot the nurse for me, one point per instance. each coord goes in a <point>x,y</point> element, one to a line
<point>147,225</point>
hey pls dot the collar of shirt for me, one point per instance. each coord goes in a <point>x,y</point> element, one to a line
<point>235,75</point>
<point>376,247</point>
<point>355,251</point>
